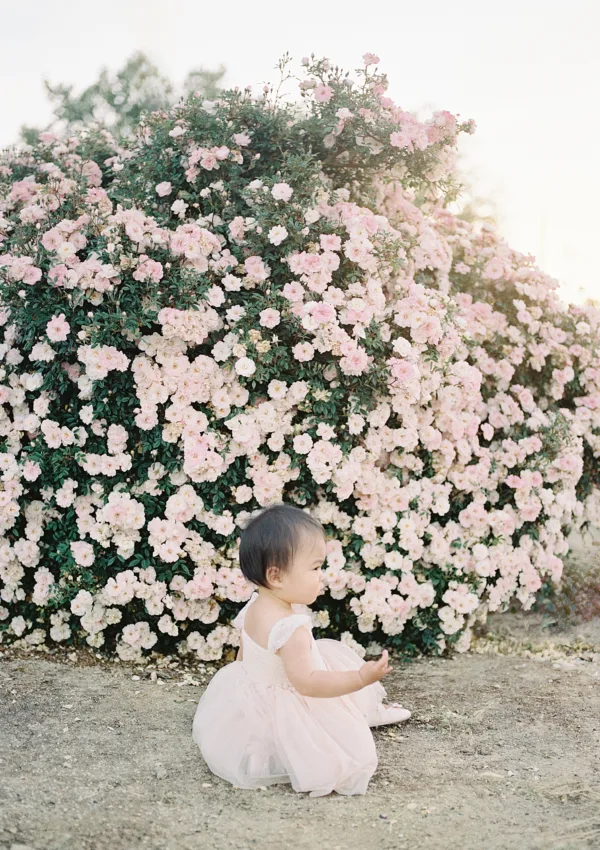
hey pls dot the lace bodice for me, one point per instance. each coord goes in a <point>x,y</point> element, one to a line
<point>264,665</point>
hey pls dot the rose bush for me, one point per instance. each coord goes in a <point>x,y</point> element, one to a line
<point>521,335</point>
<point>255,301</point>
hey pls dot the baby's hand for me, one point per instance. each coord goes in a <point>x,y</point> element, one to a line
<point>373,671</point>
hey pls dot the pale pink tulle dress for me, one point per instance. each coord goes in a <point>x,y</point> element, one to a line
<point>254,729</point>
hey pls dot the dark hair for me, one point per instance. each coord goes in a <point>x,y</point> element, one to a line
<point>271,538</point>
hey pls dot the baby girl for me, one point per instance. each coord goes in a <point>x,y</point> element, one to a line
<point>291,708</point>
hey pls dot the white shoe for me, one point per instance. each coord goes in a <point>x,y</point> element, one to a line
<point>393,713</point>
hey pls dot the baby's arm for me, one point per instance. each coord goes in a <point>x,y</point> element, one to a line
<point>297,661</point>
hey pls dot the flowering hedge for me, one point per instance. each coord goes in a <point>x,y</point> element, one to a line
<point>255,301</point>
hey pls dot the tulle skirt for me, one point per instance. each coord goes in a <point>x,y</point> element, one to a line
<point>254,734</point>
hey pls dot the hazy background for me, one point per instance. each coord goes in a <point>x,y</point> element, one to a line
<point>527,71</point>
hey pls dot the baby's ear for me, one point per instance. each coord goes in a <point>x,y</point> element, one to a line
<point>273,576</point>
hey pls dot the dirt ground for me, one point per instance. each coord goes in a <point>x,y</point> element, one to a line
<point>502,751</point>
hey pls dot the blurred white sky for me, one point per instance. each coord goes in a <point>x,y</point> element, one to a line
<point>527,71</point>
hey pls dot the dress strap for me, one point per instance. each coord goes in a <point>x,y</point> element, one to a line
<point>238,620</point>
<point>283,629</point>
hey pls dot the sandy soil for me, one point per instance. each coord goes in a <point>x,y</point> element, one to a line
<point>502,751</point>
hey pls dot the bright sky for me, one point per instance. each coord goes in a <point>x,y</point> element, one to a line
<point>527,71</point>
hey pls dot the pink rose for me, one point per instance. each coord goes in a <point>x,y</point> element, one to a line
<point>355,363</point>
<point>399,140</point>
<point>256,269</point>
<point>303,352</point>
<point>282,192</point>
<point>241,139</point>
<point>330,242</point>
<point>58,329</point>
<point>148,270</point>
<point>293,291</point>
<point>494,269</point>
<point>403,370</point>
<point>323,93</point>
<point>31,470</point>
<point>270,318</point>
<point>277,234</point>
<point>303,443</point>
<point>322,312</point>
<point>370,59</point>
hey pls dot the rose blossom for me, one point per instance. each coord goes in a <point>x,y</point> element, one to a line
<point>270,318</point>
<point>245,366</point>
<point>303,352</point>
<point>277,234</point>
<point>282,192</point>
<point>323,93</point>
<point>303,443</point>
<point>58,328</point>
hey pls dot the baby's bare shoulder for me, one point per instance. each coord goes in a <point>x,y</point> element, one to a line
<point>260,621</point>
